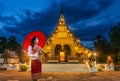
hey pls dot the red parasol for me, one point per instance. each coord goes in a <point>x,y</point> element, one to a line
<point>27,41</point>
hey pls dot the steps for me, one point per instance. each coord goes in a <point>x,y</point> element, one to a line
<point>64,68</point>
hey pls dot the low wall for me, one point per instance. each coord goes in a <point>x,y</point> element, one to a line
<point>1,60</point>
<point>10,60</point>
<point>13,60</point>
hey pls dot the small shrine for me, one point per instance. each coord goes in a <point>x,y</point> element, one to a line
<point>9,56</point>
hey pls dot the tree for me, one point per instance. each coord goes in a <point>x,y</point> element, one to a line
<point>115,42</point>
<point>101,47</point>
<point>14,46</point>
<point>100,44</point>
<point>3,44</point>
<point>11,44</point>
<point>115,37</point>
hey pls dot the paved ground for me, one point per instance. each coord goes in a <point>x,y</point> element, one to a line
<point>61,76</point>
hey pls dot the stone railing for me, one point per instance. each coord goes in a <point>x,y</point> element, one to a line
<point>91,66</point>
<point>106,66</point>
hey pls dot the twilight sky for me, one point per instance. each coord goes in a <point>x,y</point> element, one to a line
<point>85,18</point>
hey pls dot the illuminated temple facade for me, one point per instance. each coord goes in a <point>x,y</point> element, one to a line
<point>63,46</point>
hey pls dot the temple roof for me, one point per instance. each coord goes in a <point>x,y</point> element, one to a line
<point>62,23</point>
<point>61,20</point>
<point>10,54</point>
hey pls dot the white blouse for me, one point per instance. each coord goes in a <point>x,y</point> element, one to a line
<point>35,55</point>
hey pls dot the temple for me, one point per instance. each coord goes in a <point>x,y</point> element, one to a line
<point>63,46</point>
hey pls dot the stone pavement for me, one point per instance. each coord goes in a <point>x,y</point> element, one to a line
<point>61,76</point>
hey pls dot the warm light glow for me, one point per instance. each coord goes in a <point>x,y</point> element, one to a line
<point>61,19</point>
<point>89,54</point>
<point>62,56</point>
<point>76,48</point>
<point>109,57</point>
<point>95,54</point>
<point>48,48</point>
<point>60,23</point>
<point>78,40</point>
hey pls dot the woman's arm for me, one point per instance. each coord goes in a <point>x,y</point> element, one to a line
<point>30,51</point>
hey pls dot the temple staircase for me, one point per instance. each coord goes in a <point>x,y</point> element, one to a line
<point>64,67</point>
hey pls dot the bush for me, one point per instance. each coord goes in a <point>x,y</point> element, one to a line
<point>23,68</point>
<point>99,69</point>
<point>116,68</point>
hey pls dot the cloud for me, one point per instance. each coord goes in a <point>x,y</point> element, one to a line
<point>48,18</point>
<point>77,10</point>
<point>78,15</point>
<point>8,19</point>
<point>86,32</point>
<point>2,8</point>
<point>44,21</point>
<point>88,44</point>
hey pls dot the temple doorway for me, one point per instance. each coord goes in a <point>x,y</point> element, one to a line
<point>62,52</point>
<point>58,49</point>
<point>67,51</point>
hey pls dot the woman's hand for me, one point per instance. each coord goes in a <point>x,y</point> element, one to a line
<point>35,49</point>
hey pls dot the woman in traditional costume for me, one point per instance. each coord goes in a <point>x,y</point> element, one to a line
<point>33,52</point>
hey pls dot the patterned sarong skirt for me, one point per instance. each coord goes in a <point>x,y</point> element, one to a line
<point>36,66</point>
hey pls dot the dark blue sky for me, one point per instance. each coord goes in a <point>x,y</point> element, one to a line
<point>85,18</point>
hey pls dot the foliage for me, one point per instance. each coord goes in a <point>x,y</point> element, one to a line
<point>114,42</point>
<point>92,58</point>
<point>109,48</point>
<point>10,43</point>
<point>99,69</point>
<point>115,68</point>
<point>101,46</point>
<point>3,44</point>
<point>23,68</point>
<point>115,36</point>
<point>102,58</point>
